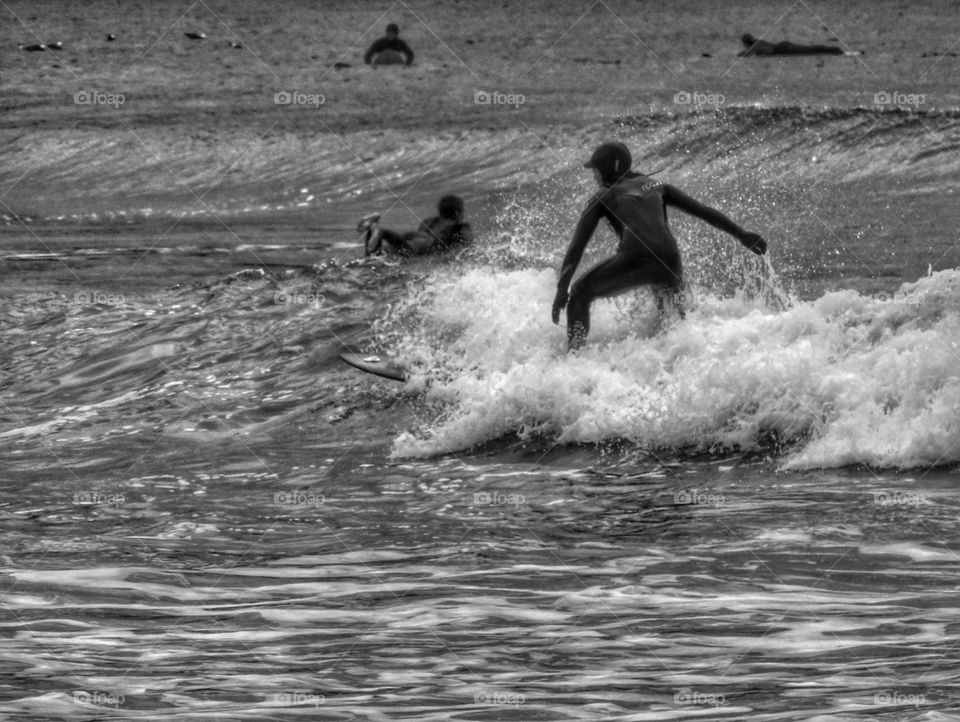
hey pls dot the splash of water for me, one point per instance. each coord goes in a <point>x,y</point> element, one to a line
<point>844,379</point>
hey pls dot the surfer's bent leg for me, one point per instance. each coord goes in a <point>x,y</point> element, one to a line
<point>610,278</point>
<point>371,233</point>
<point>418,243</point>
<point>394,240</point>
<point>411,242</point>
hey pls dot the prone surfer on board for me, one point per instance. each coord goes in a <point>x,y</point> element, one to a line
<point>436,234</point>
<point>390,42</point>
<point>753,46</point>
<point>636,207</point>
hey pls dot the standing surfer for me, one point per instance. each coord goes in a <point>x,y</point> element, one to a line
<point>636,208</point>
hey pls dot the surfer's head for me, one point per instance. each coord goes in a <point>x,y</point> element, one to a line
<point>392,31</point>
<point>451,207</point>
<point>611,160</point>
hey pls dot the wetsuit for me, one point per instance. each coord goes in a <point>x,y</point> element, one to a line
<point>385,43</point>
<point>647,253</point>
<point>435,235</point>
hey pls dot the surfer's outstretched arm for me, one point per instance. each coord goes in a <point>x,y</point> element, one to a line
<point>581,236</point>
<point>675,197</point>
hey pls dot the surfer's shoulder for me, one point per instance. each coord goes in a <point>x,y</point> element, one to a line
<point>638,183</point>
<point>597,199</point>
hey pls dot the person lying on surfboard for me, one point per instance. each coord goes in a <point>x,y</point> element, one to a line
<point>391,41</point>
<point>647,254</point>
<point>753,46</point>
<point>437,234</point>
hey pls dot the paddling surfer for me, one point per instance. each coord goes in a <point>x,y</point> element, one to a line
<point>636,207</point>
<point>436,234</point>
<point>390,41</point>
<point>753,46</point>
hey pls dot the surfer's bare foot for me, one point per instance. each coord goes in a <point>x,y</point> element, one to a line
<point>576,336</point>
<point>373,241</point>
<point>367,221</point>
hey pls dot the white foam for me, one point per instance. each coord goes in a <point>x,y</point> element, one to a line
<point>844,379</point>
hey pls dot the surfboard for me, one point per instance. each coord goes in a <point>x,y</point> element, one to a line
<point>376,365</point>
<point>389,57</point>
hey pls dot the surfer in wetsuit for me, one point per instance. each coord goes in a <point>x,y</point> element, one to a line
<point>636,208</point>
<point>436,234</point>
<point>391,41</point>
<point>785,47</point>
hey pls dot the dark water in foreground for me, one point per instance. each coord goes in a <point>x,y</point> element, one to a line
<point>205,515</point>
<point>485,590</point>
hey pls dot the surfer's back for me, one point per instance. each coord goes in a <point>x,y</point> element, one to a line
<point>635,208</point>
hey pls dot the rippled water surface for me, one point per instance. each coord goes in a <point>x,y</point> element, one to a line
<point>483,590</point>
<point>752,514</point>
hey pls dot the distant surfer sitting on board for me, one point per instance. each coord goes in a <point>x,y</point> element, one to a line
<point>388,49</point>
<point>636,208</point>
<point>441,232</point>
<point>785,47</point>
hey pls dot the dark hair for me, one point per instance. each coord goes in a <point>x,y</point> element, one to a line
<point>393,27</point>
<point>449,206</point>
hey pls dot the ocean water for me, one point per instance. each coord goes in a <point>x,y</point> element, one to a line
<point>748,514</point>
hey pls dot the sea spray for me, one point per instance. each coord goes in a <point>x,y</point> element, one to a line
<point>841,380</point>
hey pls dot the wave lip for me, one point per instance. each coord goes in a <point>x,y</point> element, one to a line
<point>117,177</point>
